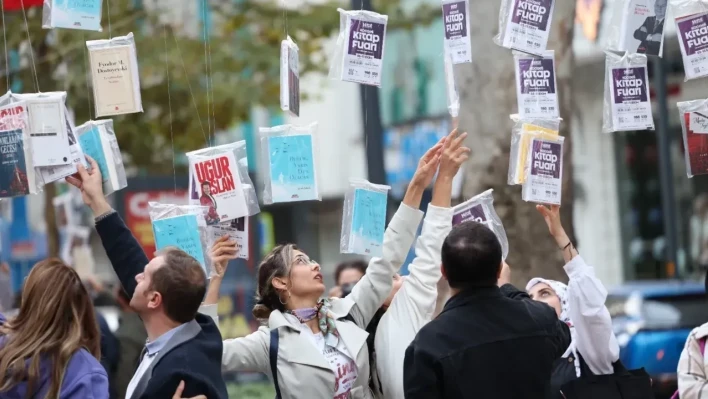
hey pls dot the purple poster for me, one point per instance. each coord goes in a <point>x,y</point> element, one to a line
<point>694,34</point>
<point>534,13</point>
<point>475,213</point>
<point>366,39</point>
<point>546,159</point>
<point>629,85</point>
<point>537,76</point>
<point>455,20</point>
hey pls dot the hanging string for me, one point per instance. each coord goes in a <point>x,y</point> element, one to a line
<point>87,67</point>
<point>34,67</point>
<point>210,77</point>
<point>206,65</point>
<point>110,31</point>
<point>169,104</point>
<point>285,18</point>
<point>191,92</point>
<point>4,38</point>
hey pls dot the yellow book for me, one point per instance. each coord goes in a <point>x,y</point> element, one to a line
<point>528,132</point>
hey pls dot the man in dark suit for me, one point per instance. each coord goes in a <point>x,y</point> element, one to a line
<point>166,292</point>
<point>491,340</point>
<point>651,33</point>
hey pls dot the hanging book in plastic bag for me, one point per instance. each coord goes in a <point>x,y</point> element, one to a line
<point>521,134</point>
<point>480,209</point>
<point>453,98</point>
<point>48,129</point>
<point>536,85</point>
<point>72,14</point>
<point>18,176</point>
<point>289,163</point>
<point>114,71</point>
<point>544,171</point>
<point>182,227</point>
<point>627,105</point>
<point>359,51</point>
<point>456,21</point>
<point>364,218</point>
<point>98,140</point>
<point>694,125</point>
<point>290,77</point>
<point>691,18</point>
<point>218,179</point>
<point>236,230</point>
<point>54,173</point>
<point>637,26</point>
<point>524,25</point>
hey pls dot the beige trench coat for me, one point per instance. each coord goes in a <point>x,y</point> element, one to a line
<point>303,372</point>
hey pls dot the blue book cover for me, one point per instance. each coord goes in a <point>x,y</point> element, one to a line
<point>292,168</point>
<point>76,14</point>
<point>181,232</point>
<point>91,144</point>
<point>13,168</point>
<point>368,222</point>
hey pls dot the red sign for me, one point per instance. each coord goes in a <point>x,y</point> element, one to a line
<point>137,213</point>
<point>16,5</point>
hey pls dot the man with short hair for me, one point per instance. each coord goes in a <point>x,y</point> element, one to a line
<point>166,292</point>
<point>491,340</point>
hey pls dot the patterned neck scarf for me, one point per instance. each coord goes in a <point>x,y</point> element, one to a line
<point>561,291</point>
<point>325,320</point>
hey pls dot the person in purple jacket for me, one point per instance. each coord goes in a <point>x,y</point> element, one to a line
<point>51,348</point>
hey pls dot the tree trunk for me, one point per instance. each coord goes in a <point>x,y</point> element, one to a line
<point>487,97</point>
<point>50,219</point>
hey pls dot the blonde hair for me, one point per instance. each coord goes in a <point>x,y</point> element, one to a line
<point>55,320</point>
<point>276,264</point>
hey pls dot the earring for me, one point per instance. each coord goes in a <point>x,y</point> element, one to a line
<point>281,300</point>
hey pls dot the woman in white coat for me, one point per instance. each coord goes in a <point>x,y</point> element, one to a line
<point>581,305</point>
<point>316,348</point>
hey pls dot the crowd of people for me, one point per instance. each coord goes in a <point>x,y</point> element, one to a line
<point>375,335</point>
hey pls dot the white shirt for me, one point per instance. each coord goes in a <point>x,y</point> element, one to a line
<point>413,305</point>
<point>342,364</point>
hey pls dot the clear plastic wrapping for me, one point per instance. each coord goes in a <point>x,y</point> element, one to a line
<point>480,209</point>
<point>98,140</point>
<point>456,20</point>
<point>626,105</point>
<point>453,98</point>
<point>48,126</point>
<point>637,26</point>
<point>18,175</point>
<point>114,72</point>
<point>359,51</point>
<point>364,218</point>
<point>289,157</point>
<point>694,125</point>
<point>544,171</point>
<point>54,173</point>
<point>183,227</point>
<point>290,77</point>
<point>536,92</point>
<point>72,14</point>
<point>521,134</point>
<point>524,25</point>
<point>691,18</point>
<point>218,179</point>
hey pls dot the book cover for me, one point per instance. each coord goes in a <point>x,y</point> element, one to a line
<point>528,132</point>
<point>457,31</point>
<point>114,79</point>
<point>76,14</point>
<point>545,165</point>
<point>236,230</point>
<point>48,130</point>
<point>215,183</point>
<point>181,232</point>
<point>642,29</point>
<point>696,145</point>
<point>693,39</point>
<point>53,173</point>
<point>363,59</point>
<point>368,222</point>
<point>292,168</point>
<point>13,167</point>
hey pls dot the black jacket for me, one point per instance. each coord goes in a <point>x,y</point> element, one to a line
<point>486,343</point>
<point>196,361</point>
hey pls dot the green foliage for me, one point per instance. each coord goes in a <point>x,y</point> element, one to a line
<point>242,54</point>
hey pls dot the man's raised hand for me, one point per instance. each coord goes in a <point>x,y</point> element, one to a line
<point>91,185</point>
<point>221,253</point>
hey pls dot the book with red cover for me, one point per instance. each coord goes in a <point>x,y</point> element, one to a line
<point>696,146</point>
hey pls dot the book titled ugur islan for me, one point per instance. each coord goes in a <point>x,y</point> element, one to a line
<point>98,140</point>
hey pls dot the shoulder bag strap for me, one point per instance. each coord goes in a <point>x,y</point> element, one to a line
<point>273,354</point>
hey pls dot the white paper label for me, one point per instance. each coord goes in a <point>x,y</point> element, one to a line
<point>364,51</point>
<point>528,25</point>
<point>699,123</point>
<point>629,95</point>
<point>693,39</point>
<point>536,87</point>
<point>545,172</point>
<point>456,23</point>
